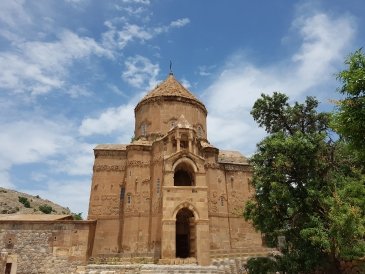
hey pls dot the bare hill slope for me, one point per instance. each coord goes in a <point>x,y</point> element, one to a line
<point>14,202</point>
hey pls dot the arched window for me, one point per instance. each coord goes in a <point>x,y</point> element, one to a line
<point>129,198</point>
<point>222,201</point>
<point>184,175</point>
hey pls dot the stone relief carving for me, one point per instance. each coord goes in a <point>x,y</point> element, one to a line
<point>213,202</point>
<point>212,166</point>
<point>156,205</point>
<point>107,205</point>
<point>236,167</point>
<point>110,153</point>
<point>157,160</point>
<point>115,168</point>
<point>135,163</point>
<point>236,203</point>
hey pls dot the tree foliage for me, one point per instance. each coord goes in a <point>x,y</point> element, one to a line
<point>350,118</point>
<point>306,187</point>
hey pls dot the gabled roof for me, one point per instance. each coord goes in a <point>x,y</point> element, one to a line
<point>111,147</point>
<point>170,88</point>
<point>182,122</point>
<point>34,217</point>
<point>231,157</point>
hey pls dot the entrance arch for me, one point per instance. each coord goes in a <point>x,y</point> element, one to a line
<point>185,234</point>
<point>184,174</point>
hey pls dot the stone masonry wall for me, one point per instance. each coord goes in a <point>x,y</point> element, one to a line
<point>47,247</point>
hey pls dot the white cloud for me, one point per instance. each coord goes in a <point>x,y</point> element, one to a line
<point>77,159</point>
<point>131,32</point>
<point>185,83</point>
<point>43,141</point>
<point>113,38</point>
<point>145,2</point>
<point>76,91</point>
<point>12,13</point>
<point>5,178</point>
<point>205,70</point>
<point>180,23</point>
<point>321,47</point>
<point>52,144</point>
<point>231,96</point>
<point>115,89</point>
<point>29,141</point>
<point>38,67</point>
<point>140,72</point>
<point>120,119</point>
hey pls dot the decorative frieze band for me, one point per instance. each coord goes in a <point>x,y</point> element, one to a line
<point>115,168</point>
<point>212,166</point>
<point>109,153</point>
<point>237,167</point>
<point>136,163</point>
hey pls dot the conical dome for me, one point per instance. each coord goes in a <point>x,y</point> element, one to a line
<point>160,109</point>
<point>170,88</point>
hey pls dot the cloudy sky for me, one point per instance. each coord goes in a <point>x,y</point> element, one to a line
<point>71,72</point>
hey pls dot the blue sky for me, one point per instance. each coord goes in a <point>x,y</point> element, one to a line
<point>72,71</point>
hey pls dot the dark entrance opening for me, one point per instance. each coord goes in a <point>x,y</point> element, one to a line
<point>183,175</point>
<point>185,234</point>
<point>8,268</point>
<point>182,178</point>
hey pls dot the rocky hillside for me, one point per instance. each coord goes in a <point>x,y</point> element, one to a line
<point>12,202</point>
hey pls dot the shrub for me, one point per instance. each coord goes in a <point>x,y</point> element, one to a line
<point>77,216</point>
<point>261,265</point>
<point>24,201</point>
<point>45,209</point>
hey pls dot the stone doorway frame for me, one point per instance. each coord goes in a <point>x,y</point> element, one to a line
<point>168,241</point>
<point>188,239</point>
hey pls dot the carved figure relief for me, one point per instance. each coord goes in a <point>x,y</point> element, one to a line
<point>213,202</point>
<point>107,205</point>
<point>236,203</point>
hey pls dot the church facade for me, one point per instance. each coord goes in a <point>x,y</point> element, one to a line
<point>170,193</point>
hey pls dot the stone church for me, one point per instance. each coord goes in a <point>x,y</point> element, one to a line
<point>170,193</point>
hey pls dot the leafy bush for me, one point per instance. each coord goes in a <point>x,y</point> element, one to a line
<point>24,201</point>
<point>45,209</point>
<point>77,216</point>
<point>261,265</point>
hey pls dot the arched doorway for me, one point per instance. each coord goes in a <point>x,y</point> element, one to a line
<point>183,175</point>
<point>185,234</point>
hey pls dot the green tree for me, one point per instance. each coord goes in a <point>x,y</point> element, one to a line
<point>350,118</point>
<point>305,188</point>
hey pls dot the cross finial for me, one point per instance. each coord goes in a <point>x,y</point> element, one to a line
<point>171,73</point>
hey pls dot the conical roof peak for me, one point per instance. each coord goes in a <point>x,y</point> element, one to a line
<point>170,87</point>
